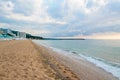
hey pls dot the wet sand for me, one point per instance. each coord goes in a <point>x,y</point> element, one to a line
<point>24,60</point>
<point>82,68</point>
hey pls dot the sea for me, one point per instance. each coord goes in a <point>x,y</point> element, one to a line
<point>103,53</point>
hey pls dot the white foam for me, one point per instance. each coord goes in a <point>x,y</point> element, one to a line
<point>109,68</point>
<point>115,71</point>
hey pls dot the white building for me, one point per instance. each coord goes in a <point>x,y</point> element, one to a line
<point>21,34</point>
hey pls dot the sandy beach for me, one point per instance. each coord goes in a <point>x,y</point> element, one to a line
<point>21,60</point>
<point>25,60</point>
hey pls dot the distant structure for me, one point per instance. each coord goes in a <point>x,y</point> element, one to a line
<point>7,33</point>
<point>21,35</point>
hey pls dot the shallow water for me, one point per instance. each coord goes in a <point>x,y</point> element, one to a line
<point>103,53</point>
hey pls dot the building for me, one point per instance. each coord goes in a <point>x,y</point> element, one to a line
<point>21,35</point>
<point>7,32</point>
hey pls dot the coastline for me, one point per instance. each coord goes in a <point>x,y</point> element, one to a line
<point>26,60</point>
<point>84,69</point>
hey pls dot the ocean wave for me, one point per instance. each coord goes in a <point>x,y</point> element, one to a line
<point>113,68</point>
<point>110,67</point>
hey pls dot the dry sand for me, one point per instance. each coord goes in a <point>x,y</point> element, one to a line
<point>82,68</point>
<point>23,60</point>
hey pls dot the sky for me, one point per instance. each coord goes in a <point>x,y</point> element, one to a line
<point>99,19</point>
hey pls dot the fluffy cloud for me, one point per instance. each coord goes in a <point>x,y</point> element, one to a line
<point>61,18</point>
<point>6,7</point>
<point>33,10</point>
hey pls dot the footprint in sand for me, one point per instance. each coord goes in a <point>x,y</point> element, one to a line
<point>64,71</point>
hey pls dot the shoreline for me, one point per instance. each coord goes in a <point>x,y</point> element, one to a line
<point>63,71</point>
<point>26,60</point>
<point>82,67</point>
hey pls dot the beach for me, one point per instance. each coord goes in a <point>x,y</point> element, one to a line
<point>21,60</point>
<point>25,60</point>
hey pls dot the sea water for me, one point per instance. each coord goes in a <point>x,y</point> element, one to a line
<point>103,53</point>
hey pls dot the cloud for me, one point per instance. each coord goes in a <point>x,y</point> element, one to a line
<point>62,17</point>
<point>6,7</point>
<point>37,11</point>
<point>34,18</point>
<point>4,25</point>
<point>44,33</point>
<point>107,35</point>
